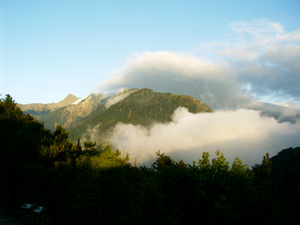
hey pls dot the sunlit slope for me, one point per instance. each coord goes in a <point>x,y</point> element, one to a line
<point>39,110</point>
<point>142,107</point>
<point>68,115</point>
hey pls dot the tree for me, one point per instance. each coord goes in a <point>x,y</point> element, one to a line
<point>216,164</point>
<point>89,145</point>
<point>162,161</point>
<point>204,163</point>
<point>267,164</point>
<point>237,166</point>
<point>20,139</point>
<point>220,163</point>
<point>9,109</point>
<point>20,134</point>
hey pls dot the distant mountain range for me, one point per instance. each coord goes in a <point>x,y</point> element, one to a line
<point>101,112</point>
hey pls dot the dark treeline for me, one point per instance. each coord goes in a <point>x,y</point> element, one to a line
<point>85,183</point>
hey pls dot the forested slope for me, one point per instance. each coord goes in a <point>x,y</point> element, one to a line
<point>142,107</point>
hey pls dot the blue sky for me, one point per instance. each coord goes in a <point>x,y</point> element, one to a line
<point>52,48</point>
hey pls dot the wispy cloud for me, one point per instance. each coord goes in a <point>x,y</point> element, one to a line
<point>258,27</point>
<point>120,95</point>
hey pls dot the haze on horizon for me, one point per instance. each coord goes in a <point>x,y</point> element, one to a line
<point>240,58</point>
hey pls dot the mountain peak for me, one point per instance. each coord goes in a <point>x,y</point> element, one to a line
<point>67,101</point>
<point>70,98</point>
<point>39,107</point>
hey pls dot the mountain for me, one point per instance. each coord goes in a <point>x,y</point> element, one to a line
<point>140,107</point>
<point>98,113</point>
<point>72,113</point>
<point>40,110</point>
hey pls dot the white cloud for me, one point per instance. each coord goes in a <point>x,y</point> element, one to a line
<point>169,72</point>
<point>240,54</point>
<point>242,133</point>
<point>282,112</point>
<point>257,27</point>
<point>120,95</point>
<point>293,37</point>
<point>275,73</point>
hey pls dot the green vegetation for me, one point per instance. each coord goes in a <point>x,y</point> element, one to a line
<point>90,183</point>
<point>142,107</point>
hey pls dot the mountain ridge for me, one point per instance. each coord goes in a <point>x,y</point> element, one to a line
<point>69,99</point>
<point>101,111</point>
<point>39,110</point>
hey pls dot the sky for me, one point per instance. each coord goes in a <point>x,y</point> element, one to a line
<point>52,48</point>
<point>241,58</point>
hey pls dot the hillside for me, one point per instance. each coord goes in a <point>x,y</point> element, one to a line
<point>40,110</point>
<point>72,113</point>
<point>100,112</point>
<point>141,107</point>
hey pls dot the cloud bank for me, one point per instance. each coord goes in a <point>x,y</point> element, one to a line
<point>252,83</point>
<point>242,133</point>
<point>170,72</point>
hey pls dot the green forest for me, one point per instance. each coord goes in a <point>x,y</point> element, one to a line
<point>89,183</point>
